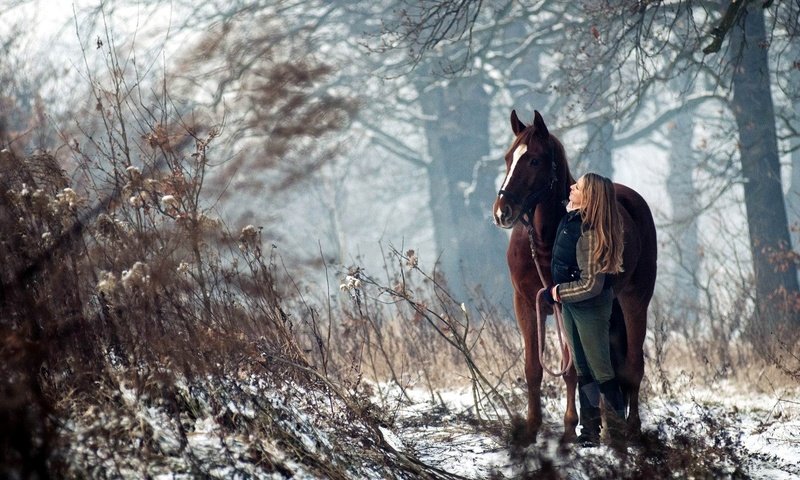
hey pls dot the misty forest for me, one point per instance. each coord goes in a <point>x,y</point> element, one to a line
<point>257,238</point>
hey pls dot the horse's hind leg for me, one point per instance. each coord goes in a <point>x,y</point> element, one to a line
<point>631,372</point>
<point>619,344</point>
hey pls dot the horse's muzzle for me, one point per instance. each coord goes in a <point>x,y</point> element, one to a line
<point>503,214</point>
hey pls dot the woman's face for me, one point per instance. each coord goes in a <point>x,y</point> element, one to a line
<point>576,194</point>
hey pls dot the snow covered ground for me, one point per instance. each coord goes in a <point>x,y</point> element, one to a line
<point>257,427</point>
<point>751,435</point>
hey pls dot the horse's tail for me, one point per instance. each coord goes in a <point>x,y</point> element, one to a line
<point>617,336</point>
<point>619,344</point>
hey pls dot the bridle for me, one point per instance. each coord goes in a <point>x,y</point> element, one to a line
<point>532,198</point>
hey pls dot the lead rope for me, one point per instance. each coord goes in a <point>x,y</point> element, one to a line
<point>566,359</point>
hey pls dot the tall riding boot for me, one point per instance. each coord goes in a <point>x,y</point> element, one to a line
<point>589,400</point>
<point>616,428</point>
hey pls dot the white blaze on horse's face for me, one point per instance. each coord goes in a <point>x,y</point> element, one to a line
<point>518,153</point>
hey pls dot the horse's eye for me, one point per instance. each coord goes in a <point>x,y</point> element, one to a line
<point>535,162</point>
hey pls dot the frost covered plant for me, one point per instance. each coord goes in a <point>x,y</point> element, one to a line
<point>67,199</point>
<point>199,223</point>
<point>47,239</point>
<point>134,172</point>
<point>169,201</point>
<point>33,202</point>
<point>248,237</point>
<point>107,284</point>
<point>106,226</point>
<point>183,268</point>
<point>110,227</point>
<point>350,283</point>
<point>412,261</point>
<point>249,233</point>
<point>137,276</point>
<point>208,224</point>
<point>40,200</point>
<point>139,199</point>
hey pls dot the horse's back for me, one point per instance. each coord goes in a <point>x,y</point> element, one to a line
<point>637,207</point>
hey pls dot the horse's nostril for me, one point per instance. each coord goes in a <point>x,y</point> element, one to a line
<point>506,211</point>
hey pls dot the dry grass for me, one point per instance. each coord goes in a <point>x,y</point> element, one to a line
<point>722,352</point>
<point>149,301</point>
<point>122,285</point>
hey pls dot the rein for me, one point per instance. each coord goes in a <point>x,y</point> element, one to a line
<point>527,204</point>
<point>566,359</point>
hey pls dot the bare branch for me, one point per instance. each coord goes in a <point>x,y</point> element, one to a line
<point>718,33</point>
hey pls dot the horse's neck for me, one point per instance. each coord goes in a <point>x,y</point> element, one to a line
<point>548,214</point>
<point>546,219</point>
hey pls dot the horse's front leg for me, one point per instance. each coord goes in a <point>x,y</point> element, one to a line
<point>526,319</point>
<point>571,415</point>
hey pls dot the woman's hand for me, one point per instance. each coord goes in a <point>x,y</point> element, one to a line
<point>551,294</point>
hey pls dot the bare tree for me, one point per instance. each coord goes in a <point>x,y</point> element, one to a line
<point>640,45</point>
<point>752,105</point>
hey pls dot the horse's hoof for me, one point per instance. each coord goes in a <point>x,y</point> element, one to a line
<point>521,434</point>
<point>524,439</point>
<point>634,426</point>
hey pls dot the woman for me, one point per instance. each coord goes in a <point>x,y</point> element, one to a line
<point>587,250</point>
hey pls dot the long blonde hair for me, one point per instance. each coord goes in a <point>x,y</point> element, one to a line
<point>600,212</point>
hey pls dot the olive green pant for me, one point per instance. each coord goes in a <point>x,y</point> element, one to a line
<point>586,324</point>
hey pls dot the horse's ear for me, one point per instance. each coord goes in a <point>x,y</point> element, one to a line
<point>516,126</point>
<point>541,128</point>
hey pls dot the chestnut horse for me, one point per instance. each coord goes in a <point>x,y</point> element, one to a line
<point>532,200</point>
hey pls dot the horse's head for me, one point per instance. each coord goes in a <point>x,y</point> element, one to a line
<point>531,171</point>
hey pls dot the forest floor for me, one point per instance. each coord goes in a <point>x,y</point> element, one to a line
<point>715,432</point>
<point>256,428</point>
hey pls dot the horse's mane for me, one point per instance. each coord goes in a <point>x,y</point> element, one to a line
<point>561,158</point>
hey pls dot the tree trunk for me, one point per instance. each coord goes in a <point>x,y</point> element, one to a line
<point>793,195</point>
<point>752,105</point>
<point>462,187</point>
<point>525,75</point>
<point>681,190</point>
<point>598,153</point>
